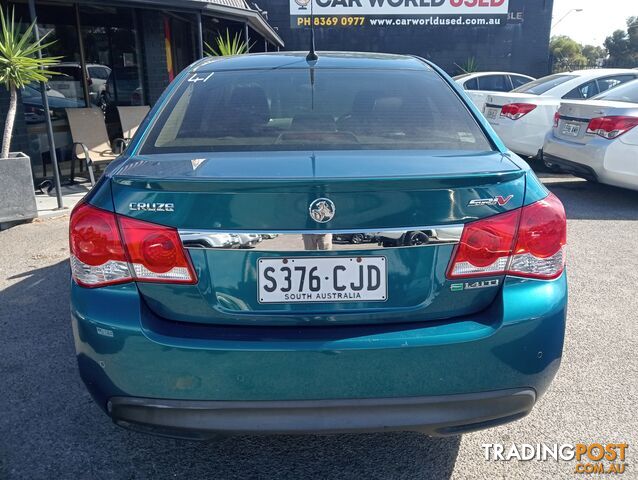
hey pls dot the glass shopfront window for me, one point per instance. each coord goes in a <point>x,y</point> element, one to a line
<point>112,74</point>
<point>112,56</point>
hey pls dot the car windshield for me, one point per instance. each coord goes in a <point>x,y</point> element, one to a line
<point>314,109</point>
<point>625,93</point>
<point>543,85</point>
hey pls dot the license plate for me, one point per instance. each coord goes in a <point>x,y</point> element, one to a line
<point>322,279</point>
<point>572,129</point>
<point>492,113</point>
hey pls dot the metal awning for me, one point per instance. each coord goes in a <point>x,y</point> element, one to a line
<point>237,10</point>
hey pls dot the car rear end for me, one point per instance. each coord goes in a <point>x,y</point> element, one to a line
<point>523,116</point>
<point>597,139</point>
<point>181,334</point>
<point>521,120</point>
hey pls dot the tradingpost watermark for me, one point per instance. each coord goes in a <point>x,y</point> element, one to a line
<point>589,458</point>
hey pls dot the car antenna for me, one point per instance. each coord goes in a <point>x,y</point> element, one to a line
<point>312,55</point>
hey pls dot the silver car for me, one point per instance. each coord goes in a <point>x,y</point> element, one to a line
<point>596,139</point>
<point>248,240</point>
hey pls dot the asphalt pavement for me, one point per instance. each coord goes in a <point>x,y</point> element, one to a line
<point>50,428</point>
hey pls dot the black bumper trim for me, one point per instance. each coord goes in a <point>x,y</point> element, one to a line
<point>567,166</point>
<point>435,415</point>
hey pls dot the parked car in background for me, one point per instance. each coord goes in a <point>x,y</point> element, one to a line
<point>354,238</point>
<point>523,116</point>
<point>34,108</point>
<point>597,139</point>
<point>402,238</point>
<point>69,83</point>
<point>478,85</point>
<point>456,326</point>
<point>248,240</point>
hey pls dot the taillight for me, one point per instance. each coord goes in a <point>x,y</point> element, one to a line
<point>516,110</point>
<point>155,252</point>
<point>526,242</point>
<point>97,254</point>
<point>107,249</point>
<point>556,119</point>
<point>611,127</point>
<point>485,246</point>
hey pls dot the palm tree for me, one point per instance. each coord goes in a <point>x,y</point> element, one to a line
<point>19,66</point>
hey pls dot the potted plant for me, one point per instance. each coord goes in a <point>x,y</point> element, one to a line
<point>227,46</point>
<point>20,65</point>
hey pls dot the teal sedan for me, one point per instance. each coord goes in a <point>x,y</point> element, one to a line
<point>449,318</point>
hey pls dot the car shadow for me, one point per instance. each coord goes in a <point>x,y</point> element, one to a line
<point>57,431</point>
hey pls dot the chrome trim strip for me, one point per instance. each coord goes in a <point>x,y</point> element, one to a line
<point>334,240</point>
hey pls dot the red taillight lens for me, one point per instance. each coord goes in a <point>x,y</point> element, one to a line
<point>97,255</point>
<point>155,252</point>
<point>542,236</point>
<point>611,127</point>
<point>516,110</point>
<point>143,251</point>
<point>485,246</point>
<point>526,242</point>
<point>556,119</point>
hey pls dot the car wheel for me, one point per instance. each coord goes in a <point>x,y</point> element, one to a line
<point>417,238</point>
<point>357,238</point>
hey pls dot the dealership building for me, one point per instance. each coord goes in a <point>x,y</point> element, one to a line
<point>491,34</point>
<point>130,50</point>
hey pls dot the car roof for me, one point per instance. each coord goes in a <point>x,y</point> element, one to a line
<point>298,60</point>
<point>482,74</point>
<point>598,72</point>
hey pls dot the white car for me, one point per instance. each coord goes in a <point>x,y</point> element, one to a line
<point>479,85</point>
<point>69,80</point>
<point>523,116</point>
<point>598,139</point>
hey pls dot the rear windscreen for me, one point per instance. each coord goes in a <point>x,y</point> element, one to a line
<point>545,84</point>
<point>314,109</point>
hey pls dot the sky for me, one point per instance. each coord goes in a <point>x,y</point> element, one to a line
<point>596,22</point>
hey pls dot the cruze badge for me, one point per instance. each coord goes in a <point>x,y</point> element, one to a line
<point>490,202</point>
<point>322,210</point>
<point>151,207</point>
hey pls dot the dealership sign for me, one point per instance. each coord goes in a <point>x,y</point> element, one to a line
<point>409,13</point>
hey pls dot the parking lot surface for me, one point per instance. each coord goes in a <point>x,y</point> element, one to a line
<point>51,429</point>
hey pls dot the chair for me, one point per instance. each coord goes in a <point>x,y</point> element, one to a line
<point>88,131</point>
<point>130,119</point>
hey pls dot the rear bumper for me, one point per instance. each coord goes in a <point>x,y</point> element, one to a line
<point>567,166</point>
<point>520,136</point>
<point>605,161</point>
<point>440,415</point>
<point>452,370</point>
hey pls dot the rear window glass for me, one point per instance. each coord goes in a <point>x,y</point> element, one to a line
<point>545,84</point>
<point>625,93</point>
<point>318,109</point>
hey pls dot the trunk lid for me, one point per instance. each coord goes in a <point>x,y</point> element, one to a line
<point>392,196</point>
<point>576,115</point>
